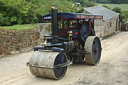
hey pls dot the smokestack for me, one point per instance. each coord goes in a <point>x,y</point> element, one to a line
<point>54,11</point>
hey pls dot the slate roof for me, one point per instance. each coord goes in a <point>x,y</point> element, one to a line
<point>107,14</point>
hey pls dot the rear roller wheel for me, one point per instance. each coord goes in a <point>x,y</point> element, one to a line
<point>42,64</point>
<point>93,48</point>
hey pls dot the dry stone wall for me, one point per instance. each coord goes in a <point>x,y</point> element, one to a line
<point>17,41</point>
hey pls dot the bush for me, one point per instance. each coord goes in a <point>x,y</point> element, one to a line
<point>125,14</point>
<point>89,4</point>
<point>106,7</point>
<point>122,14</point>
<point>1,18</point>
<point>117,9</point>
<point>123,27</point>
<point>30,11</point>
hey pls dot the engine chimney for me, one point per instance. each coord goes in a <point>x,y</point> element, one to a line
<point>54,11</point>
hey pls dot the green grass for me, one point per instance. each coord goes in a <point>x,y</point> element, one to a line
<point>122,6</point>
<point>17,27</point>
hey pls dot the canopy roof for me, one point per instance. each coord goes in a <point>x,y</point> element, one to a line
<point>73,16</point>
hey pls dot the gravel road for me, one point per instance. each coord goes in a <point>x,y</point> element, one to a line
<point>112,69</point>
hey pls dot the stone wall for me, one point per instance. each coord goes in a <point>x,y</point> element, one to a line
<point>99,30</point>
<point>108,28</point>
<point>17,41</point>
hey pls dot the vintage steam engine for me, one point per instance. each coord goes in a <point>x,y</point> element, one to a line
<point>72,40</point>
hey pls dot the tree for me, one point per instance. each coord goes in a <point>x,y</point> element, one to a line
<point>125,14</point>
<point>112,1</point>
<point>116,1</point>
<point>1,18</point>
<point>89,4</point>
<point>117,9</point>
<point>31,11</point>
<point>106,7</point>
<point>44,7</point>
<point>86,3</point>
<point>103,1</point>
<point>92,0</point>
<point>13,11</point>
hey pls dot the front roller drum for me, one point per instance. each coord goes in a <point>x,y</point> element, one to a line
<point>93,50</point>
<point>42,64</point>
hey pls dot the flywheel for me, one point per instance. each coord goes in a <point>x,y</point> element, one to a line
<point>44,64</point>
<point>93,50</point>
<point>84,32</point>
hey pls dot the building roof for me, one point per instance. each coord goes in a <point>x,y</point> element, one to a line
<point>107,14</point>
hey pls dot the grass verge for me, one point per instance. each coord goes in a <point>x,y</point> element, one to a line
<point>122,6</point>
<point>17,27</point>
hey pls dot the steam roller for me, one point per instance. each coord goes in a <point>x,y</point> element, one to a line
<point>72,40</point>
<point>44,64</point>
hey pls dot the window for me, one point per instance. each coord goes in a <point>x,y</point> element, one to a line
<point>73,24</point>
<point>110,24</point>
<point>60,24</point>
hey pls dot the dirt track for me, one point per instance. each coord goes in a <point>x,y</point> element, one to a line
<point>112,69</point>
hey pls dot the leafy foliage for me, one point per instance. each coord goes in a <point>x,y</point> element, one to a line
<point>112,1</point>
<point>125,14</point>
<point>30,11</point>
<point>117,9</point>
<point>86,3</point>
<point>122,15</point>
<point>106,7</point>
<point>13,11</point>
<point>1,18</point>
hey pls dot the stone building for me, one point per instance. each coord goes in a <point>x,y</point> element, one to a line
<point>110,23</point>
